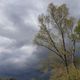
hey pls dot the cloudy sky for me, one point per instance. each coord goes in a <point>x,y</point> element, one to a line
<point>18,26</point>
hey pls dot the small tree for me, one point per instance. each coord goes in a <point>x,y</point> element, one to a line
<point>59,33</point>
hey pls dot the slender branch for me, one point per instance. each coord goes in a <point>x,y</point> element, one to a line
<point>63,41</point>
<point>52,51</point>
<point>53,43</point>
<point>74,42</point>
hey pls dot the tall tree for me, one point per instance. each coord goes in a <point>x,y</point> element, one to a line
<point>59,33</point>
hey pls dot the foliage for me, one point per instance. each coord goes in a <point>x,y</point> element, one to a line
<point>60,33</point>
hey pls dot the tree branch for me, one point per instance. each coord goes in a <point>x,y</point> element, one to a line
<point>53,43</point>
<point>52,51</point>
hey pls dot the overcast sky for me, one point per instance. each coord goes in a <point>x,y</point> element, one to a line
<point>18,25</point>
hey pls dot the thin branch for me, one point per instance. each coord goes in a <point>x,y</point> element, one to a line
<point>53,43</point>
<point>63,41</point>
<point>52,51</point>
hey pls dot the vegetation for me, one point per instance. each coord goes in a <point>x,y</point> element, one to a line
<point>60,33</point>
<point>7,79</point>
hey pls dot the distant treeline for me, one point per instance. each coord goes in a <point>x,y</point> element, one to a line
<point>7,79</point>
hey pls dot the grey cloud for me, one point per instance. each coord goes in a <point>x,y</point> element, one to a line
<point>18,60</point>
<point>14,14</point>
<point>74,7</point>
<point>17,14</point>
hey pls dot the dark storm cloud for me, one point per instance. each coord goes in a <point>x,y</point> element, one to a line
<point>17,31</point>
<point>16,13</point>
<point>18,27</point>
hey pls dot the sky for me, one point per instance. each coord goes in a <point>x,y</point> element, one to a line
<point>18,27</point>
